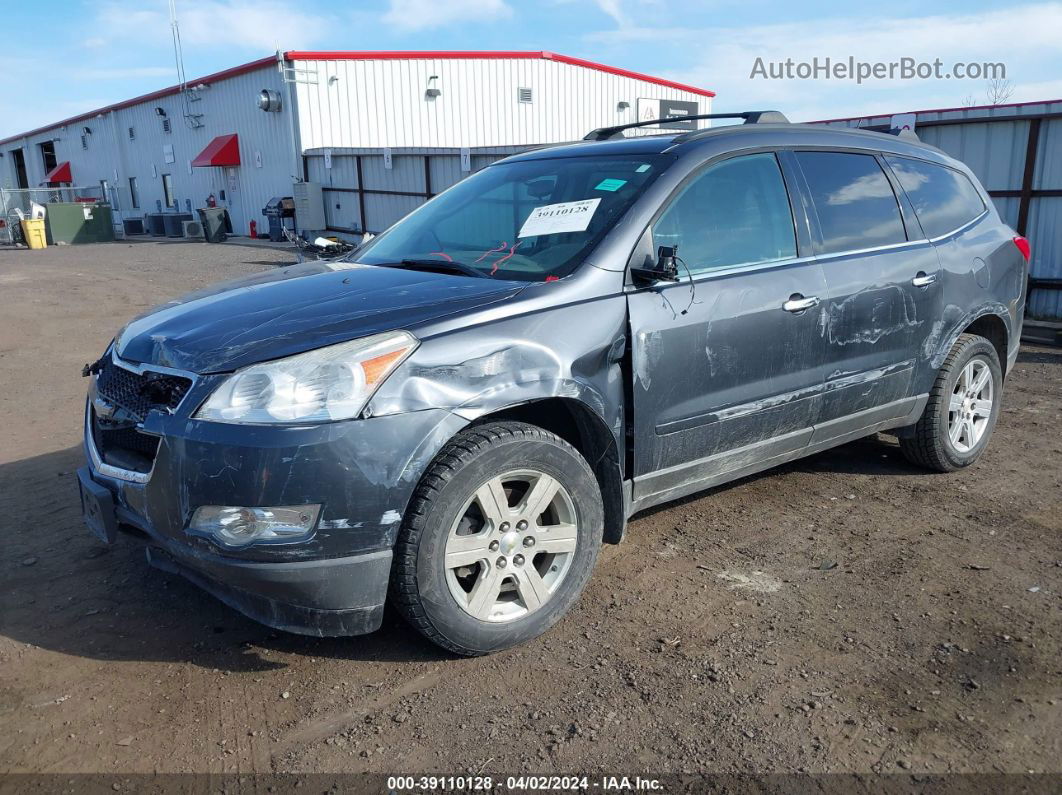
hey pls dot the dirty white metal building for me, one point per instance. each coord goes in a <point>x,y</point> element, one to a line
<point>1016,152</point>
<point>379,131</point>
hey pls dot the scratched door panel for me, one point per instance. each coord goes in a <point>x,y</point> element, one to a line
<point>877,325</point>
<point>735,369</point>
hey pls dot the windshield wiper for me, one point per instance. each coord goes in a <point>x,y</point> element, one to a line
<point>437,265</point>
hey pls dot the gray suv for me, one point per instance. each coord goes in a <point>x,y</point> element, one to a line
<point>454,418</point>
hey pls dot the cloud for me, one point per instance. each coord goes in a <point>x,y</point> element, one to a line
<point>613,9</point>
<point>1023,37</point>
<point>259,25</point>
<point>410,15</point>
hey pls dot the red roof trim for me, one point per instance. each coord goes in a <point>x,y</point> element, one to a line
<point>368,55</point>
<point>253,66</point>
<point>941,110</point>
<point>61,173</point>
<point>224,150</point>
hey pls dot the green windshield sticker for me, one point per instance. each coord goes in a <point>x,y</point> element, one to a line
<point>641,168</point>
<point>611,184</point>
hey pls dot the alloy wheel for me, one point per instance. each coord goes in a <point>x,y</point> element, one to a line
<point>970,405</point>
<point>511,546</point>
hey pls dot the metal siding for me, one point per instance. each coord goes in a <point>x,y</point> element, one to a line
<point>383,103</point>
<point>1049,156</point>
<point>228,106</point>
<point>995,152</point>
<point>1045,235</point>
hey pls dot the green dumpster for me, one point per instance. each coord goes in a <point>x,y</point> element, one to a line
<point>79,222</point>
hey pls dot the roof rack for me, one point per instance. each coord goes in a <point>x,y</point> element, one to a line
<point>750,117</point>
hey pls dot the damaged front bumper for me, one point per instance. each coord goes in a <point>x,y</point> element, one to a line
<point>361,472</point>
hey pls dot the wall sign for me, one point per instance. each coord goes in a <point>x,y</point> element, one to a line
<point>387,157</point>
<point>167,153</point>
<point>328,158</point>
<point>257,159</point>
<point>678,110</point>
<point>466,159</point>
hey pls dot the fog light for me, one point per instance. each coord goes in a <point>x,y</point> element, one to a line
<point>233,526</point>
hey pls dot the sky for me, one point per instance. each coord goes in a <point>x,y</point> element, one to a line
<point>71,56</point>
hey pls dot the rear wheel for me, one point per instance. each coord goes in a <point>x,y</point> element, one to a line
<point>962,410</point>
<point>499,540</point>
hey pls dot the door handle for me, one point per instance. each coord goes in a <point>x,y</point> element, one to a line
<point>798,303</point>
<point>922,279</point>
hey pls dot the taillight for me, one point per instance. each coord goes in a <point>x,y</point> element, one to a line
<point>1023,247</point>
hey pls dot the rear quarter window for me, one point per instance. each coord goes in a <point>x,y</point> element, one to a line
<point>943,199</point>
<point>853,199</point>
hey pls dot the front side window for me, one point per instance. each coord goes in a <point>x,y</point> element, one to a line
<point>527,220</point>
<point>853,199</point>
<point>735,213</point>
<point>943,199</point>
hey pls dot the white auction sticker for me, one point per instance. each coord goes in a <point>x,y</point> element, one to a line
<point>553,219</point>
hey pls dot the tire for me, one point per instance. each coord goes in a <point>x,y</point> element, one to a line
<point>931,442</point>
<point>447,523</point>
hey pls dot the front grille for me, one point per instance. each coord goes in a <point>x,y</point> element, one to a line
<point>116,435</point>
<point>125,448</point>
<point>139,393</point>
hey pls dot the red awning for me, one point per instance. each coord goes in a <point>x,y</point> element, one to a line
<point>222,151</point>
<point>61,173</point>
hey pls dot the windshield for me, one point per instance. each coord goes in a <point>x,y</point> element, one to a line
<point>529,220</point>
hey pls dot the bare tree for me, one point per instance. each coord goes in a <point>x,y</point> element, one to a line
<point>969,101</point>
<point>999,91</point>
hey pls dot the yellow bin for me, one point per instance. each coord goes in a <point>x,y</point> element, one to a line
<point>33,231</point>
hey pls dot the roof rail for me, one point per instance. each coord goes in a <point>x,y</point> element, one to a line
<point>750,117</point>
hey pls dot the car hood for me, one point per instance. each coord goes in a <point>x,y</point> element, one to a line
<point>290,310</point>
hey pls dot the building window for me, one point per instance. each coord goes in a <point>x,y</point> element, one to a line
<point>134,194</point>
<point>167,191</point>
<point>48,156</point>
<point>524,95</point>
<point>18,163</point>
<point>132,133</point>
<point>166,126</point>
<point>84,141</point>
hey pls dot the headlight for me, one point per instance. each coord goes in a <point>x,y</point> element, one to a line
<point>324,385</point>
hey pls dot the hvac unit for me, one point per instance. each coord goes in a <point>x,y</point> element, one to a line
<point>192,229</point>
<point>309,206</point>
<point>134,226</point>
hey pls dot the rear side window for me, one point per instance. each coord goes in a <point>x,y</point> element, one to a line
<point>853,200</point>
<point>943,199</point>
<point>735,213</point>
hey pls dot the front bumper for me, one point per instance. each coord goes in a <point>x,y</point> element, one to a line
<point>362,473</point>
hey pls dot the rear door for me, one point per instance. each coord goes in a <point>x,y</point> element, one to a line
<point>883,288</point>
<point>728,361</point>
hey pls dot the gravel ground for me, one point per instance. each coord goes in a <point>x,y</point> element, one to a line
<point>845,613</point>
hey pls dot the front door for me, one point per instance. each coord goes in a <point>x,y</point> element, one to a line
<point>728,361</point>
<point>883,289</point>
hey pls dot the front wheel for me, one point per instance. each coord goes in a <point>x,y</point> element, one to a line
<point>962,410</point>
<point>499,539</point>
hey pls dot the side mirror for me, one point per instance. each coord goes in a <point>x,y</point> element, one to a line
<point>664,270</point>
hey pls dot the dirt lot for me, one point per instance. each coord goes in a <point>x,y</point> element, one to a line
<point>845,613</point>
